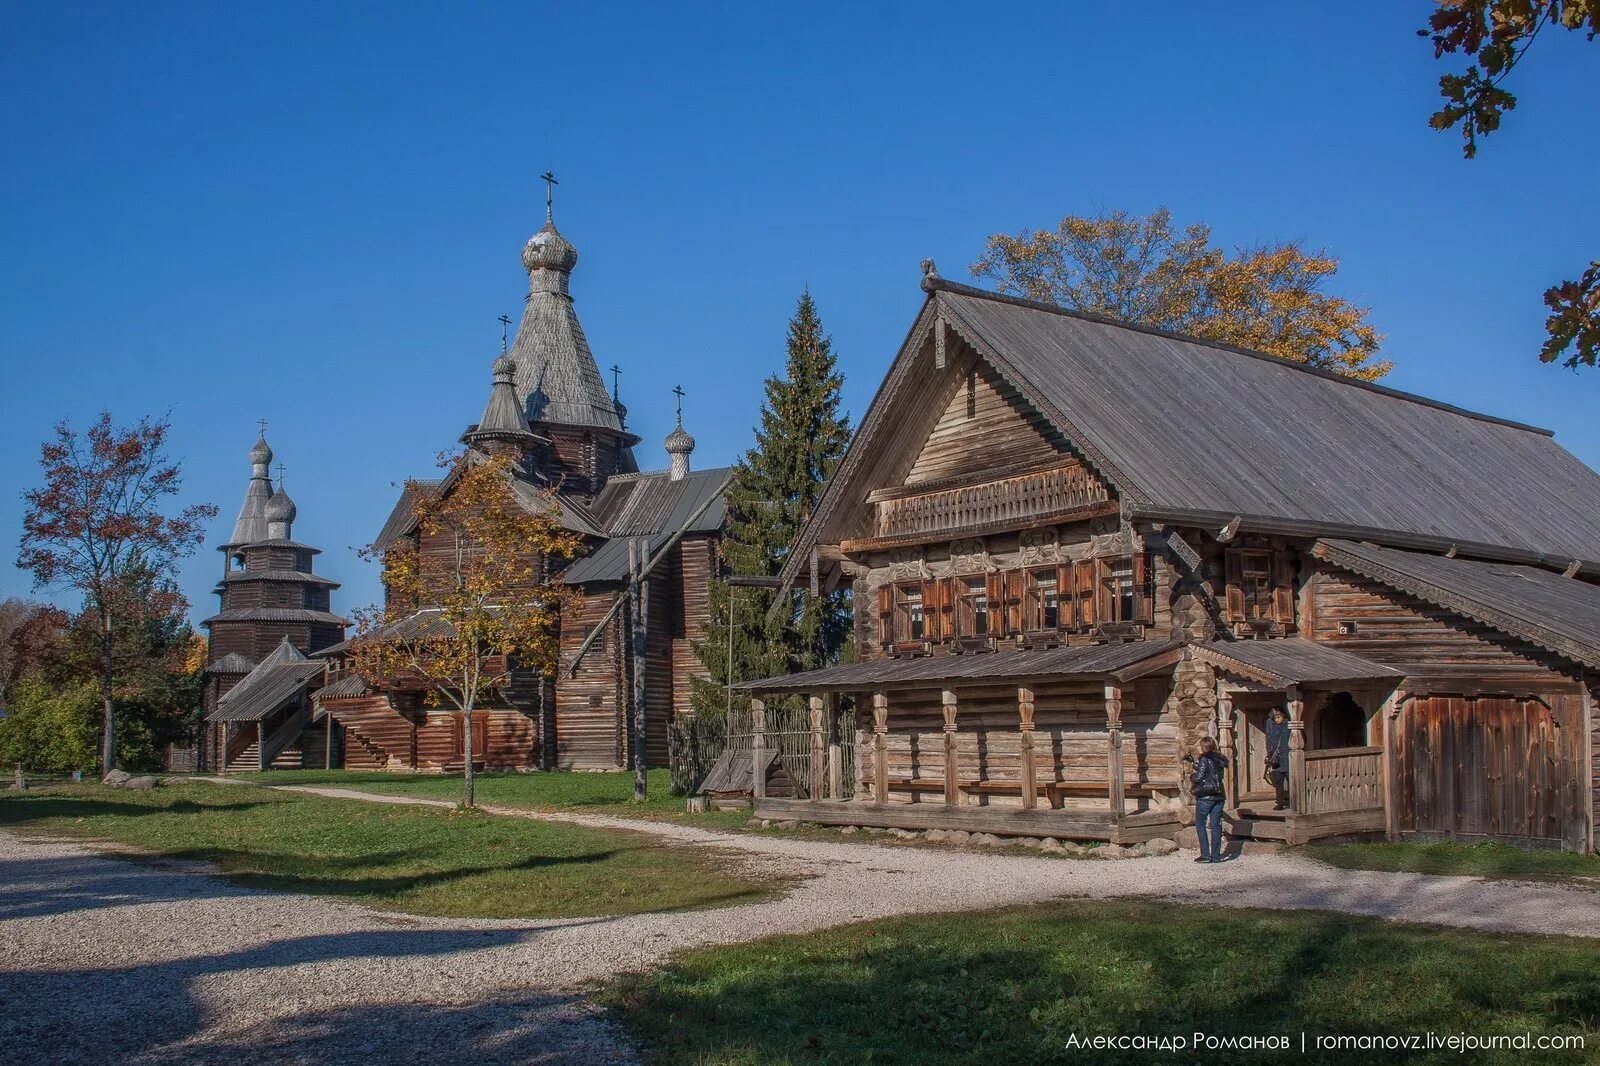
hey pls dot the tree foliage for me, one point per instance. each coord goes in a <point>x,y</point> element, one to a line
<point>470,597</point>
<point>801,437</point>
<point>98,520</point>
<point>1141,269</point>
<point>1495,35</point>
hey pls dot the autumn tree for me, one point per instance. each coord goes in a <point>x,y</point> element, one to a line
<point>470,599</point>
<point>800,440</point>
<point>1140,269</point>
<point>100,517</point>
<point>1495,36</point>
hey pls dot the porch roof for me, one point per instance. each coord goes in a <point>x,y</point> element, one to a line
<point>279,679</point>
<point>1291,661</point>
<point>924,671</point>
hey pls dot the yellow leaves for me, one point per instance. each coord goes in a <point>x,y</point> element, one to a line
<point>1139,270</point>
<point>469,593</point>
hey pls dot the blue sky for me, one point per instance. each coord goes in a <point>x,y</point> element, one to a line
<point>313,213</point>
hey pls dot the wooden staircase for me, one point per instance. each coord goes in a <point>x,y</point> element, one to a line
<point>1256,821</point>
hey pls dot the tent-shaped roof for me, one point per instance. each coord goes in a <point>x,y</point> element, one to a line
<point>279,678</point>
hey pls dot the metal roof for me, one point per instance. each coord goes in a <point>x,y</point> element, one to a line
<point>280,678</point>
<point>924,671</point>
<point>1184,427</point>
<point>1292,661</point>
<point>1561,614</point>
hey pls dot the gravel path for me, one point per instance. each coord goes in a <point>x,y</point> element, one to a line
<point>102,959</point>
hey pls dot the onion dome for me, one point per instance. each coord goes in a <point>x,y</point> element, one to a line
<point>679,444</point>
<point>280,512</point>
<point>549,250</point>
<point>261,453</point>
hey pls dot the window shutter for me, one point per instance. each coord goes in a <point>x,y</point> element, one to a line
<point>947,607</point>
<point>886,614</point>
<point>932,619</point>
<point>1235,578</point>
<point>1143,597</point>
<point>996,590</point>
<point>1282,589</point>
<point>1102,609</point>
<point>1064,597</point>
<point>1083,594</point>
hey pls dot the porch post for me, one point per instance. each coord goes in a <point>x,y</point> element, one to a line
<point>261,743</point>
<point>1225,741</point>
<point>835,754</point>
<point>1115,790</point>
<point>1297,750</point>
<point>814,705</point>
<point>952,781</point>
<point>880,747</point>
<point>758,749</point>
<point>1027,771</point>
<point>327,747</point>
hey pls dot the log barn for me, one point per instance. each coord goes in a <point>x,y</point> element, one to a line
<point>1077,546</point>
<point>567,439</point>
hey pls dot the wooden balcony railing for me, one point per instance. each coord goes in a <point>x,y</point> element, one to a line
<point>1343,779</point>
<point>1001,502</point>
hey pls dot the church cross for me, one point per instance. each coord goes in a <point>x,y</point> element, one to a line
<point>677,390</point>
<point>505,326</point>
<point>616,381</point>
<point>280,475</point>
<point>550,184</point>
<point>262,422</point>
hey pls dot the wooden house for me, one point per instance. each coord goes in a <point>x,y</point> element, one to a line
<point>275,611</point>
<point>567,439</point>
<point>1078,546</point>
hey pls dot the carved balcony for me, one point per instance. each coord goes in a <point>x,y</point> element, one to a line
<point>1006,500</point>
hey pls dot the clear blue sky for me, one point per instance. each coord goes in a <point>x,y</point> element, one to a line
<point>313,213</point>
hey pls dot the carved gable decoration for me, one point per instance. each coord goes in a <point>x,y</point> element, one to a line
<point>970,557</point>
<point>1040,546</point>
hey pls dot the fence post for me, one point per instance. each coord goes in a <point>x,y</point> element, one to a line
<point>758,749</point>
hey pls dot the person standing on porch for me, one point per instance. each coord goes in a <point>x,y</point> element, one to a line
<point>1278,756</point>
<point>1206,777</point>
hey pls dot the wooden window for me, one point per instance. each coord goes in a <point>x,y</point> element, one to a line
<point>1117,591</point>
<point>599,632</point>
<point>909,620</point>
<point>972,394</point>
<point>1260,585</point>
<point>972,607</point>
<point>1042,601</point>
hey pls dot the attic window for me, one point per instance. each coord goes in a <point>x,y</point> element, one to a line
<point>972,394</point>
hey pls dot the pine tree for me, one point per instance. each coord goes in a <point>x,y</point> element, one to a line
<point>776,486</point>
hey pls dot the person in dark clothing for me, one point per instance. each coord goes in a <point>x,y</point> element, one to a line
<point>1206,777</point>
<point>1278,756</point>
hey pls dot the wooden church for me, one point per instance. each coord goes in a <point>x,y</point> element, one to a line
<point>1078,546</point>
<point>566,436</point>
<point>255,701</point>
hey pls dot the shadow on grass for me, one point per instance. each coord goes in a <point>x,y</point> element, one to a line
<point>1019,985</point>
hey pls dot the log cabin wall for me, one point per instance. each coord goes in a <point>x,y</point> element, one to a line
<point>696,564</point>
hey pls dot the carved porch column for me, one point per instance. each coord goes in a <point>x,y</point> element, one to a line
<point>1115,788</point>
<point>1229,746</point>
<point>1297,749</point>
<point>1028,772</point>
<point>835,753</point>
<point>952,780</point>
<point>758,749</point>
<point>880,747</point>
<point>818,778</point>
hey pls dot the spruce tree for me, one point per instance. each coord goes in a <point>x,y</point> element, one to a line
<point>775,488</point>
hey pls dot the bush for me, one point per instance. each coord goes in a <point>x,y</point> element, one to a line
<point>52,728</point>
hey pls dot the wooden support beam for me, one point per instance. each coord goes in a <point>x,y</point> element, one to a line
<point>880,747</point>
<point>835,751</point>
<point>1029,772</point>
<point>1297,749</point>
<point>758,749</point>
<point>1230,748</point>
<point>1115,788</point>
<point>952,775</point>
<point>818,771</point>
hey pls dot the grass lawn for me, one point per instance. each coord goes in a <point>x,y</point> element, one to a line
<point>1015,985</point>
<point>1470,860</point>
<point>416,859</point>
<point>594,793</point>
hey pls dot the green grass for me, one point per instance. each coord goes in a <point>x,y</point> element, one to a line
<point>1469,860</point>
<point>417,859</point>
<point>1015,985</point>
<point>608,793</point>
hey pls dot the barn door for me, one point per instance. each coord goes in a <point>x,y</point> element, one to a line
<point>1487,767</point>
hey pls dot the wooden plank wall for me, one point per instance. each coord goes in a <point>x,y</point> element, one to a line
<point>659,647</point>
<point>376,735</point>
<point>1008,435</point>
<point>697,561</point>
<point>586,705</point>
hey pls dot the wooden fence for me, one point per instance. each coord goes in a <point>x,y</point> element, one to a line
<point>1343,779</point>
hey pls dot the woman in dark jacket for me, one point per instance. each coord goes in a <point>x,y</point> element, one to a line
<point>1206,777</point>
